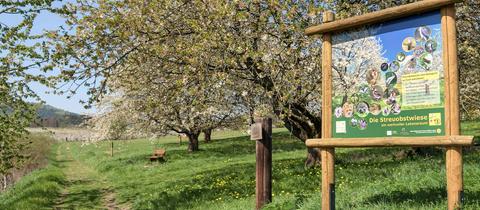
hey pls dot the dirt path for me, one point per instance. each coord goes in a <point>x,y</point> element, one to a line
<point>85,188</point>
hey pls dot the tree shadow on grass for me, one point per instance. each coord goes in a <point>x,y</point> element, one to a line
<point>425,195</point>
<point>57,163</point>
<point>234,181</point>
<point>281,142</point>
<point>382,154</point>
<point>83,198</point>
<point>433,195</point>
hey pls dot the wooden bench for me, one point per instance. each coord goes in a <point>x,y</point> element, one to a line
<point>158,154</point>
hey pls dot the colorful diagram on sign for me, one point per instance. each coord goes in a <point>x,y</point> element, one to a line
<point>388,79</point>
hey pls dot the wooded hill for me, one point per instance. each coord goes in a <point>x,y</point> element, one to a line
<point>49,116</point>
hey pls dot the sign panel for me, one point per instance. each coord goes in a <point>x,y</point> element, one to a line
<point>256,131</point>
<point>388,79</point>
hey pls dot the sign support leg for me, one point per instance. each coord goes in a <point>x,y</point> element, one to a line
<point>327,154</point>
<point>453,157</point>
<point>328,178</point>
<point>454,168</point>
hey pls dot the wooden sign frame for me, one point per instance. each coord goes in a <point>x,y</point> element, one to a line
<point>452,139</point>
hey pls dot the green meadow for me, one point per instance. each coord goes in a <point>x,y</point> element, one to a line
<point>222,176</point>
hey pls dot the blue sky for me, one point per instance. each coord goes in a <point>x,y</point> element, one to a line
<point>393,33</point>
<point>49,21</point>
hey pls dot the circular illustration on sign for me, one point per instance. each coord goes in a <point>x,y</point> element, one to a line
<point>400,57</point>
<point>376,92</point>
<point>375,109</point>
<point>408,44</point>
<point>394,66</point>
<point>423,33</point>
<point>364,89</point>
<point>384,66</point>
<point>390,79</point>
<point>386,111</point>
<point>354,122</point>
<point>395,108</point>
<point>426,61</point>
<point>392,96</point>
<point>354,98</point>
<point>419,50</point>
<point>338,112</point>
<point>412,63</point>
<point>347,110</point>
<point>372,76</point>
<point>362,124</point>
<point>362,109</point>
<point>430,46</point>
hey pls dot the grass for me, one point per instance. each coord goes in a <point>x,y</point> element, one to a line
<point>222,176</point>
<point>37,152</point>
<point>471,128</point>
<point>84,187</point>
<point>37,190</point>
<point>36,157</point>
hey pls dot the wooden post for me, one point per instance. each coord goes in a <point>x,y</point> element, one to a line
<point>264,165</point>
<point>111,148</point>
<point>259,174</point>
<point>267,158</point>
<point>453,159</point>
<point>327,154</point>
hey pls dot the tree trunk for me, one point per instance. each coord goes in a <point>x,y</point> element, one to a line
<point>252,113</point>
<point>208,135</point>
<point>193,141</point>
<point>304,125</point>
<point>313,157</point>
<point>301,122</point>
<point>345,99</point>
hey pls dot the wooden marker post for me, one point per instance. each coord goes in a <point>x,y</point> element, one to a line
<point>261,131</point>
<point>327,154</point>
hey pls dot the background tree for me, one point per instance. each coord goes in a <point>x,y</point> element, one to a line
<point>113,123</point>
<point>20,52</point>
<point>354,53</point>
<point>264,44</point>
<point>182,105</point>
<point>468,39</point>
<point>259,43</point>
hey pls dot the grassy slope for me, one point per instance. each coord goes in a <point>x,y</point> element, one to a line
<point>37,190</point>
<point>222,176</point>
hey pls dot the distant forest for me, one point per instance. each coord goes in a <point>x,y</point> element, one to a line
<point>49,116</point>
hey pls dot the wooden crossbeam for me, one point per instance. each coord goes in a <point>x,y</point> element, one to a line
<point>379,16</point>
<point>391,142</point>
